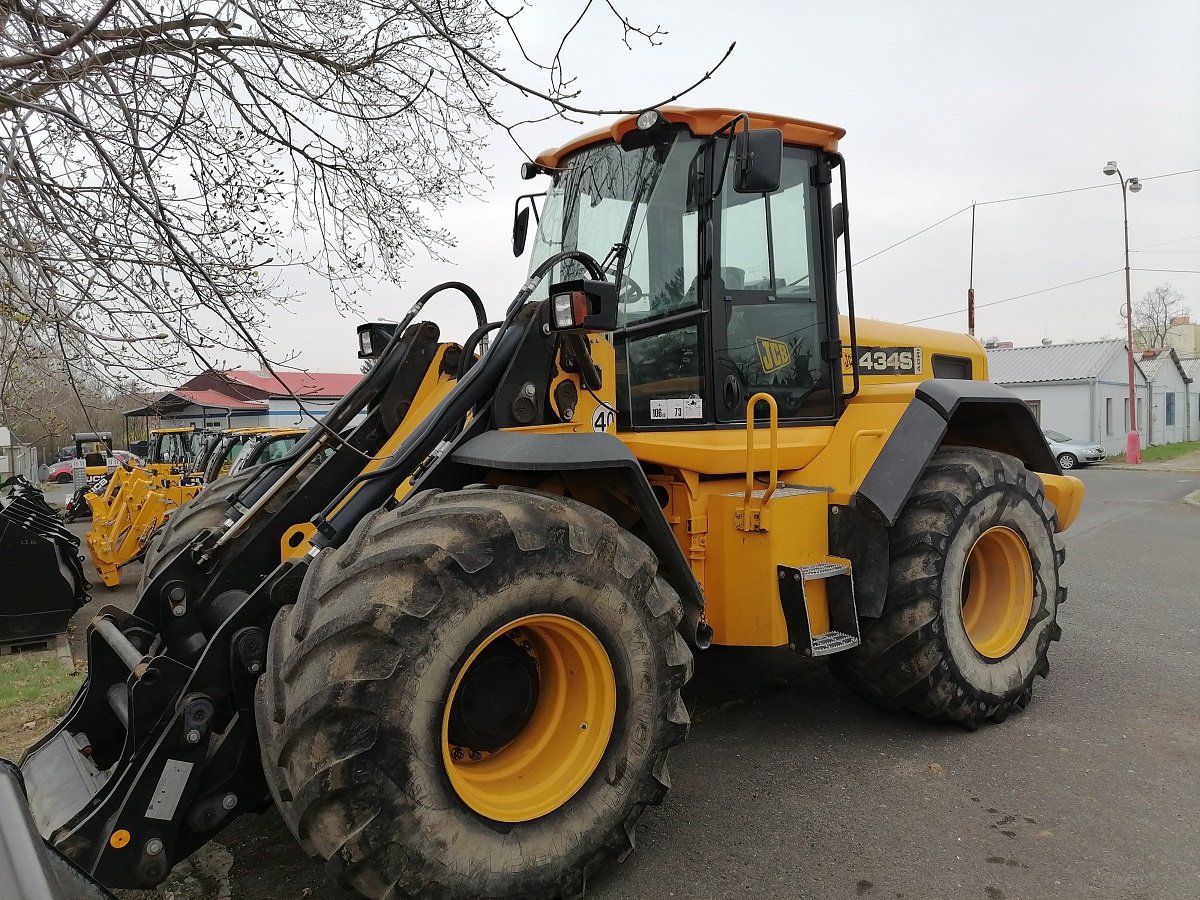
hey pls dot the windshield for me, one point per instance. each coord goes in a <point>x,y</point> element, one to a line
<point>629,210</point>
<point>1057,436</point>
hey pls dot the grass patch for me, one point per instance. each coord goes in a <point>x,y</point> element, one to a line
<point>1162,452</point>
<point>33,688</point>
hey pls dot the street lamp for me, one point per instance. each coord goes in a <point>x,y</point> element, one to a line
<point>1133,441</point>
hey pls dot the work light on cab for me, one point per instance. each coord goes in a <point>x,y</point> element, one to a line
<point>583,306</point>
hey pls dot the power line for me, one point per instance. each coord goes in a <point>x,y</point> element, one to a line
<point>859,262</point>
<point>1092,187</point>
<point>955,312</point>
<point>1194,237</point>
<point>1176,271</point>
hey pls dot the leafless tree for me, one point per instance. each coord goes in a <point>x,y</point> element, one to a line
<point>1154,315</point>
<point>160,162</point>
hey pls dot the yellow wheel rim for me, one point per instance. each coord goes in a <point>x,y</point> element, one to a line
<point>552,726</point>
<point>997,592</point>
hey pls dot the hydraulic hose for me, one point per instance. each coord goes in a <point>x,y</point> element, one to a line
<point>372,489</point>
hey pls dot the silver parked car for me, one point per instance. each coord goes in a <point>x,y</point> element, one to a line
<point>1070,452</point>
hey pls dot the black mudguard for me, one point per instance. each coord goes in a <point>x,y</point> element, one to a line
<point>944,411</point>
<point>515,451</point>
<point>952,412</point>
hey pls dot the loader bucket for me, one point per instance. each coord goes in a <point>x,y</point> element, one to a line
<point>30,868</point>
<point>43,572</point>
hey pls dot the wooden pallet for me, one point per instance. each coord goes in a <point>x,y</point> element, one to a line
<point>57,644</point>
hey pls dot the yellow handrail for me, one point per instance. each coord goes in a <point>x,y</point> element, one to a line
<point>774,456</point>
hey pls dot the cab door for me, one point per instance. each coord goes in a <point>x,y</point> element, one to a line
<point>771,327</point>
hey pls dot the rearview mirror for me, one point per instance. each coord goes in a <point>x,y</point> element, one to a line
<point>758,160</point>
<point>520,230</point>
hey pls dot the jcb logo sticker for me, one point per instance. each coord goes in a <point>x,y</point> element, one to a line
<point>773,354</point>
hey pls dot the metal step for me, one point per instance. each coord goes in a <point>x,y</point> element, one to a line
<point>60,781</point>
<point>833,642</point>
<point>823,570</point>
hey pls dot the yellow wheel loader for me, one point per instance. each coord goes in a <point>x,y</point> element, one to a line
<point>448,642</point>
<point>136,500</point>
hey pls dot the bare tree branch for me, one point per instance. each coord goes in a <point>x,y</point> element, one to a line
<point>161,163</point>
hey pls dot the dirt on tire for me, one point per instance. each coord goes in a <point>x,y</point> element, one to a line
<point>916,656</point>
<point>350,713</point>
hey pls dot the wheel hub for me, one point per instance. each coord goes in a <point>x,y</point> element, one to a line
<point>496,697</point>
<point>997,592</point>
<point>528,718</point>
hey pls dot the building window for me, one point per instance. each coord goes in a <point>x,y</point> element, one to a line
<point>1108,415</point>
<point>1126,414</point>
<point>1140,413</point>
<point>1170,409</point>
<point>1036,406</point>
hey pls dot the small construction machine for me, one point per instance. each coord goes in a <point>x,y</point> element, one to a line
<point>135,501</point>
<point>447,642</point>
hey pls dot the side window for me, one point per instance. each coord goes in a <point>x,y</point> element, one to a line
<point>660,379</point>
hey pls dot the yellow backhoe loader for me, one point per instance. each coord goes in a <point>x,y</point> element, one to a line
<point>451,650</point>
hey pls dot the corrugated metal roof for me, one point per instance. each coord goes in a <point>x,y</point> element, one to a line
<point>1152,361</point>
<point>1192,368</point>
<point>1151,366</point>
<point>1052,362</point>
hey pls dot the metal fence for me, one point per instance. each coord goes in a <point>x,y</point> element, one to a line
<point>20,461</point>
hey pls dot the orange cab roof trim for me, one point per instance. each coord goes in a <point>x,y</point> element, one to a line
<point>704,122</point>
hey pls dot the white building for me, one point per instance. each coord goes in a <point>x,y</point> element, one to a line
<point>1080,389</point>
<point>1170,417</point>
<point>1191,368</point>
<point>235,398</point>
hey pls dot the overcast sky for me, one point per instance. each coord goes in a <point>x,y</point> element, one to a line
<point>944,104</point>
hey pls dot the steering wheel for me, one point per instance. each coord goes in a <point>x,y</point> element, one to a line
<point>631,291</point>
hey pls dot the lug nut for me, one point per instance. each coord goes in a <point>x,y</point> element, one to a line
<point>154,847</point>
<point>229,801</point>
<point>193,736</point>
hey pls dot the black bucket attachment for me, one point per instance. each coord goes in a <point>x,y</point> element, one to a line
<point>43,581</point>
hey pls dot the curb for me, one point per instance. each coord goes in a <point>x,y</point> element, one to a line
<point>1151,467</point>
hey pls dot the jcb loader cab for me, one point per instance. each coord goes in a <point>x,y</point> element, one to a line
<point>448,642</point>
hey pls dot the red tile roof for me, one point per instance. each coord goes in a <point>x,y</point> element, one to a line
<point>303,384</point>
<point>218,399</point>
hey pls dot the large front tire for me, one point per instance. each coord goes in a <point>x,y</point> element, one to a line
<point>474,697</point>
<point>973,594</point>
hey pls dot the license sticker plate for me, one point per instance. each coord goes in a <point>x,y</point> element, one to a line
<point>683,408</point>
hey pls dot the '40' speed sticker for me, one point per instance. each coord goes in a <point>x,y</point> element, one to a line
<point>883,361</point>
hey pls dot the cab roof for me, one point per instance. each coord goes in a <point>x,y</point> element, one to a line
<point>703,122</point>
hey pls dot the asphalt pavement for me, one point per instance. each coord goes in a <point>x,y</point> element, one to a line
<point>791,787</point>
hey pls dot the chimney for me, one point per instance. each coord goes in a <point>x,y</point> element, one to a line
<point>1046,342</point>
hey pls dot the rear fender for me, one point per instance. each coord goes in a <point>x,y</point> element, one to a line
<point>944,412</point>
<point>948,411</point>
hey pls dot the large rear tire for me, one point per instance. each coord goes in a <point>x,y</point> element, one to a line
<point>973,594</point>
<point>474,697</point>
<point>207,509</point>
